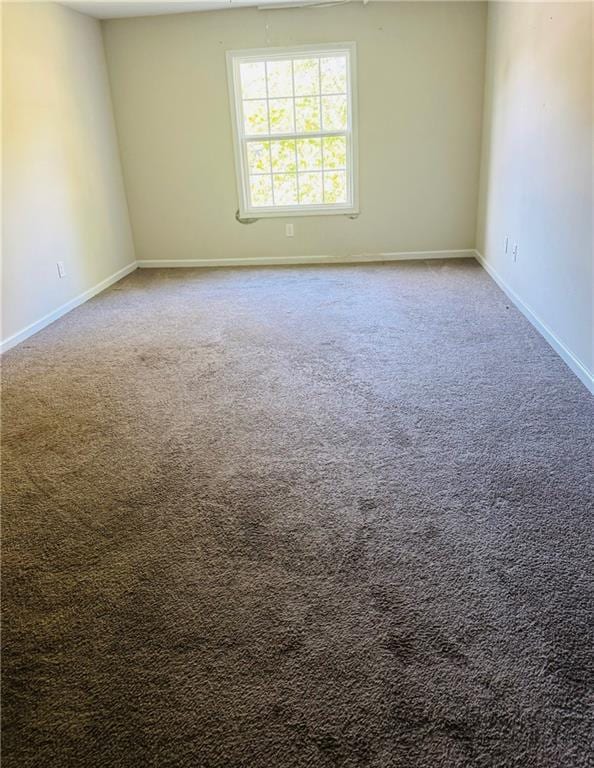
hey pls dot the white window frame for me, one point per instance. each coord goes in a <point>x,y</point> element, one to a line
<point>234,59</point>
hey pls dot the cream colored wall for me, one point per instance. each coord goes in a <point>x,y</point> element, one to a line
<point>536,180</point>
<point>63,196</point>
<point>420,105</point>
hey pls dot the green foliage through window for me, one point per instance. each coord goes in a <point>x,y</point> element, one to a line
<point>282,101</point>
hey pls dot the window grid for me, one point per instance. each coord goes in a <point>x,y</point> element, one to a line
<point>319,97</point>
<point>269,136</point>
<point>301,173</point>
<point>295,128</point>
<point>301,170</point>
<point>322,129</point>
<point>269,143</point>
<point>300,96</point>
<point>295,134</point>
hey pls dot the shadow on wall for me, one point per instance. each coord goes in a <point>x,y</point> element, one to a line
<point>536,172</point>
<point>63,193</point>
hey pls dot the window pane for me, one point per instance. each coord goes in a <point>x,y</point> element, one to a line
<point>281,115</point>
<point>307,77</point>
<point>280,78</point>
<point>255,117</point>
<point>294,130</point>
<point>283,155</point>
<point>285,188</point>
<point>253,80</point>
<point>258,155</point>
<point>310,188</point>
<point>334,74</point>
<point>335,187</point>
<point>335,152</point>
<point>307,112</point>
<point>334,113</point>
<point>309,154</point>
<point>261,190</point>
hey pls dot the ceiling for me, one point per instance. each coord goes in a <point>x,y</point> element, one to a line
<point>113,9</point>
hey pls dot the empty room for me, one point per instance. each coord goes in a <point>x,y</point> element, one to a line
<point>297,384</point>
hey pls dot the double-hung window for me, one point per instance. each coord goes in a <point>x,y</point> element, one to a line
<point>294,121</point>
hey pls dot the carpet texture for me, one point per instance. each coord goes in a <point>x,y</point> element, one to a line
<point>278,518</point>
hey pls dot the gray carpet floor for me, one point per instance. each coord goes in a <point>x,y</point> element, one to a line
<point>278,518</point>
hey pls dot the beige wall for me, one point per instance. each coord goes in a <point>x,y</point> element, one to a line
<point>421,75</point>
<point>63,196</point>
<point>420,106</point>
<point>536,180</point>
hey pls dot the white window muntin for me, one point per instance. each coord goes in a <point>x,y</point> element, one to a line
<point>242,139</point>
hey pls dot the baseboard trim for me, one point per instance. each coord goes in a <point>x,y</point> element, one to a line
<point>278,261</point>
<point>567,356</point>
<point>564,353</point>
<point>46,320</point>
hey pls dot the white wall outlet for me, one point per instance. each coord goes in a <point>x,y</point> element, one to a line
<point>515,251</point>
<point>61,269</point>
<point>506,245</point>
<point>289,230</point>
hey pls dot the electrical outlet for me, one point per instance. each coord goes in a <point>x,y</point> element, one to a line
<point>515,252</point>
<point>289,230</point>
<point>61,269</point>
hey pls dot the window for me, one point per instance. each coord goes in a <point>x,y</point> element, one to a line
<point>293,112</point>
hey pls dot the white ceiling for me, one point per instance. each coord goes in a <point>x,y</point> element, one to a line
<point>112,9</point>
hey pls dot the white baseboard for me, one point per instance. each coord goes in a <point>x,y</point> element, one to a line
<point>566,355</point>
<point>38,325</point>
<point>569,358</point>
<point>264,261</point>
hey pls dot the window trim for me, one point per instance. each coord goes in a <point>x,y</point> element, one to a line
<point>234,59</point>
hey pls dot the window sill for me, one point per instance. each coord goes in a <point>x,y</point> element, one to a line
<point>264,213</point>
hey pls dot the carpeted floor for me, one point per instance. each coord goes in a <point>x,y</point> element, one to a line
<point>278,518</point>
